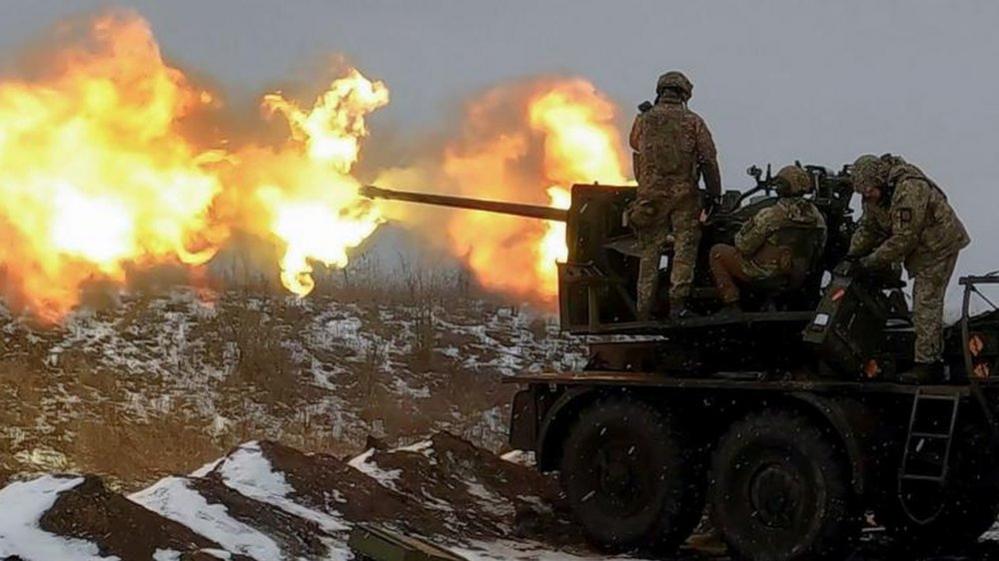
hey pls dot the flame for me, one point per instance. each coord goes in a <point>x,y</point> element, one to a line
<point>522,143</point>
<point>108,165</point>
<point>95,173</point>
<point>307,197</point>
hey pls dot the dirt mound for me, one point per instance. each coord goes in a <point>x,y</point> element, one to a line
<point>118,526</point>
<point>329,484</point>
<point>265,501</point>
<point>484,496</point>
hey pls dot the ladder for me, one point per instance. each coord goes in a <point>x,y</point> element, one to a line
<point>926,459</point>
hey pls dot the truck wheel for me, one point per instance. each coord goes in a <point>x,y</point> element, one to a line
<point>970,501</point>
<point>628,479</point>
<point>780,491</point>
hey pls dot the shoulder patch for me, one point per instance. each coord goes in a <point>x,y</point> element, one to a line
<point>904,215</point>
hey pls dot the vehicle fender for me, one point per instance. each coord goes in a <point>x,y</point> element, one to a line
<point>847,418</point>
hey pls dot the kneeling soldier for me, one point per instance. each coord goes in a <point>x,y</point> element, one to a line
<point>777,246</point>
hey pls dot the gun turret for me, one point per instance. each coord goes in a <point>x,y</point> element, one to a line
<point>515,209</point>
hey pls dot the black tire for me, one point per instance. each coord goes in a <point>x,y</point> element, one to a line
<point>629,479</point>
<point>780,491</point>
<point>970,501</point>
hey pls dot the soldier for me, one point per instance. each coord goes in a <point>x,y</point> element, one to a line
<point>777,246</point>
<point>908,220</point>
<point>674,148</point>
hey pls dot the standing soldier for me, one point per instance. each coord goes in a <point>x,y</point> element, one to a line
<point>777,246</point>
<point>674,148</point>
<point>908,220</point>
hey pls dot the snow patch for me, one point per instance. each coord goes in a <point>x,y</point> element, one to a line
<point>250,473</point>
<point>174,499</point>
<point>166,555</point>
<point>21,536</point>
<point>386,478</point>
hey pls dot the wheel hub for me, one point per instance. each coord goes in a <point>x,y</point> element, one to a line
<point>775,494</point>
<point>619,480</point>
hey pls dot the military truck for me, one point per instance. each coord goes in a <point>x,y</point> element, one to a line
<point>787,422</point>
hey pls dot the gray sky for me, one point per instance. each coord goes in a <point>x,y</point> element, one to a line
<point>776,80</point>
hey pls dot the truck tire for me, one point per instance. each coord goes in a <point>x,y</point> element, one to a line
<point>628,478</point>
<point>970,501</point>
<point>780,491</point>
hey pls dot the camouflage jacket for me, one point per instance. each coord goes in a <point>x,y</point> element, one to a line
<point>672,143</point>
<point>783,238</point>
<point>916,227</point>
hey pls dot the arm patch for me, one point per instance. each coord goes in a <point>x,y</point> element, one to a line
<point>904,216</point>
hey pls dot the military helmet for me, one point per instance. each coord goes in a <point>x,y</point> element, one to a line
<point>675,80</point>
<point>792,181</point>
<point>868,170</point>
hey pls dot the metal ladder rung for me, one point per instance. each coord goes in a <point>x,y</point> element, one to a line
<point>915,442</point>
<point>940,396</point>
<point>934,478</point>
<point>935,435</point>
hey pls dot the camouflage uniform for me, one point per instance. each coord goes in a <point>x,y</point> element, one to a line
<point>777,245</point>
<point>912,224</point>
<point>673,146</point>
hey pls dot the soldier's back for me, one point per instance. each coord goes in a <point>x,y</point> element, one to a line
<point>668,150</point>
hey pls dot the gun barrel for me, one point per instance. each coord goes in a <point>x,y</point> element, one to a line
<point>515,209</point>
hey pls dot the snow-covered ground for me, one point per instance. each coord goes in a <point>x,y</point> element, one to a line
<point>246,507</point>
<point>164,382</point>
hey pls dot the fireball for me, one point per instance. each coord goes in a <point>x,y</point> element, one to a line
<point>531,143</point>
<point>305,194</point>
<point>95,174</point>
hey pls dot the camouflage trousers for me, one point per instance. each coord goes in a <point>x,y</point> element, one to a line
<point>929,287</point>
<point>681,221</point>
<point>728,266</point>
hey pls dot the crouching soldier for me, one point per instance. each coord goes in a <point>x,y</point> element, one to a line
<point>777,247</point>
<point>907,220</point>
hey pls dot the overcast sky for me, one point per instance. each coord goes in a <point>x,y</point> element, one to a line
<point>776,81</point>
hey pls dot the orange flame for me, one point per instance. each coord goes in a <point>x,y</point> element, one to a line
<point>99,174</point>
<point>95,174</point>
<point>308,196</point>
<point>522,143</point>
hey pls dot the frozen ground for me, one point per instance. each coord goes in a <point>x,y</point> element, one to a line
<point>266,502</point>
<point>158,384</point>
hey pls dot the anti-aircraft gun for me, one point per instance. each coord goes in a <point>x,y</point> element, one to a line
<point>597,283</point>
<point>788,420</point>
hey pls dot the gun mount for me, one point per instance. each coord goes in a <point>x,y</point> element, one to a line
<point>598,280</point>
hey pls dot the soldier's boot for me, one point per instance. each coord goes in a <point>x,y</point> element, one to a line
<point>924,373</point>
<point>678,310</point>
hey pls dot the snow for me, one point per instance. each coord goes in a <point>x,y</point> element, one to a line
<point>166,555</point>
<point>426,447</point>
<point>506,550</point>
<point>519,457</point>
<point>249,472</point>
<point>386,478</point>
<point>174,499</point>
<point>21,536</point>
<point>489,501</point>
